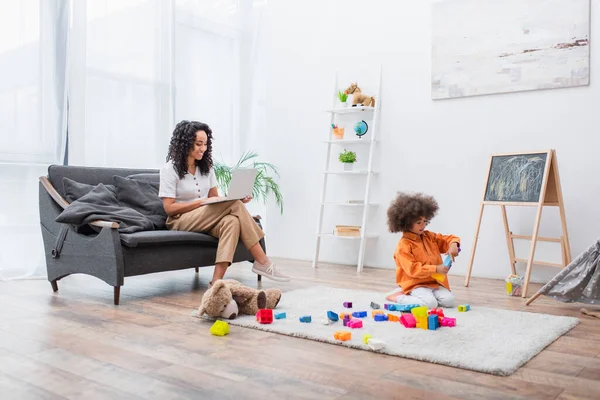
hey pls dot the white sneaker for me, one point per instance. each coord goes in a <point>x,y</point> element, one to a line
<point>270,272</point>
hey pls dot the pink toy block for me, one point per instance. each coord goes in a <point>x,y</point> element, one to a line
<point>449,322</point>
<point>408,320</point>
<point>354,324</point>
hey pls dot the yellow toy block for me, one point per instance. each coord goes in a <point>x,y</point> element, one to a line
<point>342,315</point>
<point>464,308</point>
<point>375,312</point>
<point>419,311</point>
<point>421,322</point>
<point>366,339</point>
<point>220,328</point>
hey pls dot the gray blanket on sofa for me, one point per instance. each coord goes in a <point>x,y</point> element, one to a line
<point>135,207</point>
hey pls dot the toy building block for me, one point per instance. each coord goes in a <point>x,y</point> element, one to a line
<point>421,322</point>
<point>464,308</point>
<point>375,306</point>
<point>347,304</point>
<point>376,344</point>
<point>347,319</point>
<point>449,322</point>
<point>408,320</point>
<point>406,308</point>
<point>448,261</point>
<point>354,324</point>
<point>366,338</point>
<point>436,311</point>
<point>419,311</point>
<point>376,312</point>
<point>264,316</point>
<point>433,322</point>
<point>332,316</point>
<point>280,315</point>
<point>306,319</point>
<point>344,315</point>
<point>381,317</point>
<point>342,335</point>
<point>392,318</point>
<point>220,328</point>
<point>359,314</point>
<point>325,321</point>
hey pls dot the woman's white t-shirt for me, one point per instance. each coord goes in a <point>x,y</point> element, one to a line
<point>189,188</point>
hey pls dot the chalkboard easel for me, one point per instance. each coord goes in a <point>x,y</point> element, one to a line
<point>524,179</point>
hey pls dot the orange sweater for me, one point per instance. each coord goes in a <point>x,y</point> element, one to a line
<point>417,257</point>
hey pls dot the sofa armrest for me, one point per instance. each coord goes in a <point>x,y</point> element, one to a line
<point>47,185</point>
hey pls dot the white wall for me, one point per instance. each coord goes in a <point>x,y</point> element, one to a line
<point>441,148</point>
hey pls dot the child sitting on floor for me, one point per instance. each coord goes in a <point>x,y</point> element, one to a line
<point>418,254</point>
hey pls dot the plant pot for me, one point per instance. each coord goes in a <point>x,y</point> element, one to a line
<point>348,166</point>
<point>343,104</point>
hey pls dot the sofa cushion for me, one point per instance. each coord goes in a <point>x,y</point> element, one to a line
<point>143,197</point>
<point>148,177</point>
<point>153,238</point>
<point>75,190</point>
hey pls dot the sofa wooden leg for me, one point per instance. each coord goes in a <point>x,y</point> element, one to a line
<point>197,269</point>
<point>117,294</point>
<point>54,284</point>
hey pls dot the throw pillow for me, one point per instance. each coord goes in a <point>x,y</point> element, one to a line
<point>141,196</point>
<point>75,190</point>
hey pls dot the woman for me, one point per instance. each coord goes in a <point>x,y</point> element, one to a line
<point>187,180</point>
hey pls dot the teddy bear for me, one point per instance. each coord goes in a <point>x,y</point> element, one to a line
<point>228,298</point>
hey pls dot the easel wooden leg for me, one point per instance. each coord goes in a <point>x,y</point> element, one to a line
<point>468,278</point>
<point>535,296</point>
<point>509,241</point>
<point>536,229</point>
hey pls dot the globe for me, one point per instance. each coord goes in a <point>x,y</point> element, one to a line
<point>360,128</point>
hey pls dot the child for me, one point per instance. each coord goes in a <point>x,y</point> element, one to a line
<point>418,254</point>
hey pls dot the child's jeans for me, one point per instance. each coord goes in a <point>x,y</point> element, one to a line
<point>431,298</point>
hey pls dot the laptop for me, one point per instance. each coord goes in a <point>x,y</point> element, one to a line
<point>240,186</point>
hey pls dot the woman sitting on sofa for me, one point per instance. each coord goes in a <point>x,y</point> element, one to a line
<point>187,180</point>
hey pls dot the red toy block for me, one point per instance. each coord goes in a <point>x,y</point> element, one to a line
<point>408,320</point>
<point>437,311</point>
<point>264,316</point>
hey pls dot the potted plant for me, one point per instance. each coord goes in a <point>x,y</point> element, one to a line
<point>265,179</point>
<point>342,96</point>
<point>348,158</point>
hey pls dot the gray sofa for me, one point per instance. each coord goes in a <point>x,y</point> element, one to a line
<point>100,250</point>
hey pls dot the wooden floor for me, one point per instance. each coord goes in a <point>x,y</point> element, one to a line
<point>76,344</point>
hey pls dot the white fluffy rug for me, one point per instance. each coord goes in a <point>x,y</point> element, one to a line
<point>485,339</point>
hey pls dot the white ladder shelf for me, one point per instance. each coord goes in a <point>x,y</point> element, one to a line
<point>369,173</point>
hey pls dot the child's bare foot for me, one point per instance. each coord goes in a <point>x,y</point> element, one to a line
<point>392,297</point>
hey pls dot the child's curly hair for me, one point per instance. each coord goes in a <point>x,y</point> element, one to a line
<point>407,208</point>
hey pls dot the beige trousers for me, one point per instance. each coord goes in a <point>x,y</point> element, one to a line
<point>229,221</point>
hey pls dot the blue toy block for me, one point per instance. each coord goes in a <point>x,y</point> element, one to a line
<point>433,322</point>
<point>405,307</point>
<point>280,315</point>
<point>332,316</point>
<point>359,314</point>
<point>448,261</point>
<point>381,317</point>
<point>306,318</point>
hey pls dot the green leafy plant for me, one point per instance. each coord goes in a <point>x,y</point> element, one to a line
<point>347,157</point>
<point>265,179</point>
<point>342,96</point>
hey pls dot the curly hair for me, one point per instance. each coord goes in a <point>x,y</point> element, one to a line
<point>407,208</point>
<point>182,141</point>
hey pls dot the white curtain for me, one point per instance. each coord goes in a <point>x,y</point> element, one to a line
<point>130,70</point>
<point>33,54</point>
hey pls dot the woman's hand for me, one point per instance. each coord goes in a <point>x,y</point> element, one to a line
<point>246,199</point>
<point>441,269</point>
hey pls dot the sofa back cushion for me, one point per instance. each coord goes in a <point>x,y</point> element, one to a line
<point>89,175</point>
